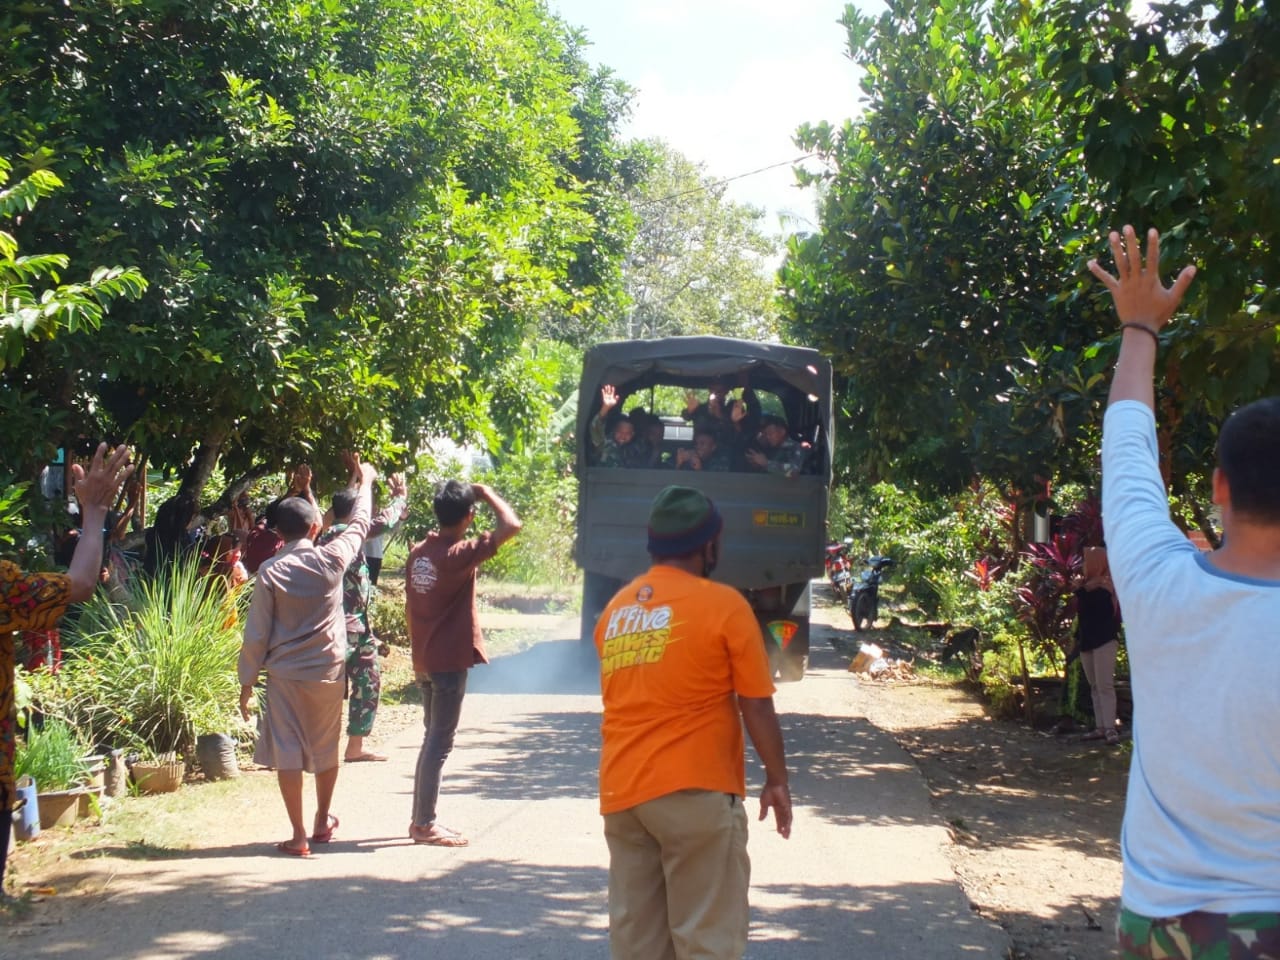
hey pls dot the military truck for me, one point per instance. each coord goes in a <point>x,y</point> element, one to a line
<point>774,524</point>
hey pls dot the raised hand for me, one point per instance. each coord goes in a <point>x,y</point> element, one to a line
<point>98,487</point>
<point>608,398</point>
<point>351,460</point>
<point>1136,289</point>
<point>690,402</point>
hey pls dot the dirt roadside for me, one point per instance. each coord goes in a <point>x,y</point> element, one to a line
<point>1034,817</point>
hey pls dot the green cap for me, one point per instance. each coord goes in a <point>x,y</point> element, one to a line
<point>681,520</point>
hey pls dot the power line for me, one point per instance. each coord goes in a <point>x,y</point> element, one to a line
<point>720,183</point>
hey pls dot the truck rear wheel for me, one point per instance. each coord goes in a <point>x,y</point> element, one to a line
<point>791,668</point>
<point>597,590</point>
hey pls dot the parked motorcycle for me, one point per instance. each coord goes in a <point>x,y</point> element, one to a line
<point>864,598</point>
<point>839,568</point>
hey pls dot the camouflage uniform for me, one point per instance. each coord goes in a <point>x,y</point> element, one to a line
<point>716,463</point>
<point>364,677</point>
<point>787,458</point>
<point>1199,936</point>
<point>613,454</point>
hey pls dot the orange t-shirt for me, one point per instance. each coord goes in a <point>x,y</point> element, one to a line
<point>676,651</point>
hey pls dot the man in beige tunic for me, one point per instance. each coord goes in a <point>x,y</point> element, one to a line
<point>296,631</point>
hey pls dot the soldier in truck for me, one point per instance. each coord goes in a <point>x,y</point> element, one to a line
<point>613,436</point>
<point>777,452</point>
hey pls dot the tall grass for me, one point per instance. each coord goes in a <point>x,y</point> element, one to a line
<point>52,756</point>
<point>155,672</point>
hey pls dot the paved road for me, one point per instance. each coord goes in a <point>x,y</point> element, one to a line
<point>863,875</point>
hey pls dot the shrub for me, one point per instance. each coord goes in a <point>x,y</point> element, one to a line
<point>936,543</point>
<point>154,673</point>
<point>52,756</point>
<point>387,618</point>
<point>539,486</point>
<point>1000,665</point>
<point>1049,575</point>
<point>545,496</point>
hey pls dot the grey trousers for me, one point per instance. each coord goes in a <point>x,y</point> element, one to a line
<point>442,695</point>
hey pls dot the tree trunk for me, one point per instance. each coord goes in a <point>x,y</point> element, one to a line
<point>235,488</point>
<point>1028,712</point>
<point>201,468</point>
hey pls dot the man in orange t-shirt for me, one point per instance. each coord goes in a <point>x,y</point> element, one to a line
<point>683,667</point>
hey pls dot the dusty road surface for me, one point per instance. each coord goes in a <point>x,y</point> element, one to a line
<point>865,873</point>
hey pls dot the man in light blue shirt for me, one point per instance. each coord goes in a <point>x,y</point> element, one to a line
<point>1201,837</point>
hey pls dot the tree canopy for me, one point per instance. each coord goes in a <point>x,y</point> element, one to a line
<point>698,262</point>
<point>997,144</point>
<point>348,214</point>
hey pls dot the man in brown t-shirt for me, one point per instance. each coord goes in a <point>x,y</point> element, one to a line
<point>440,596</point>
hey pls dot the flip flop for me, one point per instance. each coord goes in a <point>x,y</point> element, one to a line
<point>324,836</point>
<point>444,838</point>
<point>365,758</point>
<point>288,851</point>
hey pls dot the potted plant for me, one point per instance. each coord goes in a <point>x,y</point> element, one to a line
<point>150,674</point>
<point>52,756</point>
<point>157,773</point>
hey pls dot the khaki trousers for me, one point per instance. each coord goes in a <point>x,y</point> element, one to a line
<point>678,878</point>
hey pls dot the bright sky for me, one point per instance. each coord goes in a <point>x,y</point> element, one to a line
<point>727,82</point>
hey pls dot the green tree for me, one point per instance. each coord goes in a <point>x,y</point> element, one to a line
<point>934,279</point>
<point>998,145</point>
<point>698,262</point>
<point>30,314</point>
<point>1175,117</point>
<point>26,313</point>
<point>350,212</point>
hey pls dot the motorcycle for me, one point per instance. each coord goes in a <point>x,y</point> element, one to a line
<point>839,570</point>
<point>864,598</point>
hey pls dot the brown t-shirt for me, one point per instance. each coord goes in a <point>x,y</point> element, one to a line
<point>440,594</point>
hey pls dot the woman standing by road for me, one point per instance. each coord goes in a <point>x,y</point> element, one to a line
<point>1097,628</point>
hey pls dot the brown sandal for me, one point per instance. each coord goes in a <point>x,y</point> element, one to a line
<point>436,836</point>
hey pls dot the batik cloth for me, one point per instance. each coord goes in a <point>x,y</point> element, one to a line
<point>28,601</point>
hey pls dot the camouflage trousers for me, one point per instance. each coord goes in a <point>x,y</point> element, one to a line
<point>1199,936</point>
<point>364,683</point>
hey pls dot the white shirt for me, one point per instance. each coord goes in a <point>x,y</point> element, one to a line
<point>1202,817</point>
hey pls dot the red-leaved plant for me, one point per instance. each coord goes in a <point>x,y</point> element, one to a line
<point>1046,602</point>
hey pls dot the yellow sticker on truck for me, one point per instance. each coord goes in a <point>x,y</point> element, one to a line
<point>777,518</point>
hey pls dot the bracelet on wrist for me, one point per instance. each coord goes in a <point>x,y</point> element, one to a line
<point>1144,328</point>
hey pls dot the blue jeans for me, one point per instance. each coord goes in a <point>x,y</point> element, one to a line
<point>441,707</point>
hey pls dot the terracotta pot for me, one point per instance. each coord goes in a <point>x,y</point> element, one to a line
<point>95,769</point>
<point>158,776</point>
<point>86,807</point>
<point>59,808</point>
